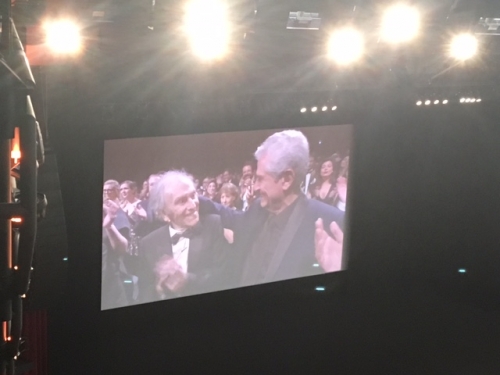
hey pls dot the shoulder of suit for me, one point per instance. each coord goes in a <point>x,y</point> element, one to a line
<point>210,220</point>
<point>316,206</point>
<point>156,234</point>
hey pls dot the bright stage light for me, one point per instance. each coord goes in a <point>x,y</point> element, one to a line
<point>463,47</point>
<point>63,36</point>
<point>207,27</point>
<point>400,23</point>
<point>345,46</point>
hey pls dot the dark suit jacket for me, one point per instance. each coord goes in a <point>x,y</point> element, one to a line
<point>295,255</point>
<point>207,249</point>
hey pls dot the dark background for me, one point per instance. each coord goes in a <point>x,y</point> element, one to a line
<point>424,187</point>
<point>206,154</point>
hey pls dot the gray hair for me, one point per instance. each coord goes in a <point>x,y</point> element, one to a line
<point>160,196</point>
<point>288,149</point>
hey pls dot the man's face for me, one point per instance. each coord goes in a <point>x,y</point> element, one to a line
<point>183,205</point>
<point>247,170</point>
<point>271,190</point>
<point>109,192</point>
<point>206,181</point>
<point>125,191</point>
<point>227,200</point>
<point>226,176</point>
<point>212,188</point>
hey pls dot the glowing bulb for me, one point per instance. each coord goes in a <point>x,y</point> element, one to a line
<point>207,28</point>
<point>400,23</point>
<point>427,102</point>
<point>63,36</point>
<point>463,47</point>
<point>314,109</point>
<point>436,101</point>
<point>324,108</point>
<point>419,102</point>
<point>473,100</point>
<point>303,110</point>
<point>345,46</point>
<point>467,100</point>
<point>462,100</point>
<point>445,101</point>
<point>478,100</point>
<point>334,108</point>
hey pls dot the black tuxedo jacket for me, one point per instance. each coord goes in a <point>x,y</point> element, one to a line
<point>295,253</point>
<point>207,252</point>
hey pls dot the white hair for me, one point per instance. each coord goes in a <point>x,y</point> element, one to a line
<point>160,196</point>
<point>288,149</point>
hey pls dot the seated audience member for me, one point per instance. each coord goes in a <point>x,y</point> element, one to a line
<point>115,234</point>
<point>147,220</point>
<point>247,193</point>
<point>128,191</point>
<point>247,170</point>
<point>226,177</point>
<point>310,178</point>
<point>230,196</point>
<point>283,234</point>
<point>144,191</point>
<point>325,188</point>
<point>211,192</point>
<point>185,257</point>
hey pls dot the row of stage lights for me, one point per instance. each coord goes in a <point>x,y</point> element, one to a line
<point>208,29</point>
<point>325,108</point>
<point>318,109</point>
<point>446,101</point>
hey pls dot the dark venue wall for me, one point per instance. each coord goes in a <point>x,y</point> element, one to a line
<point>424,203</point>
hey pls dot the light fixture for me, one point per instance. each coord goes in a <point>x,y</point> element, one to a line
<point>473,100</point>
<point>445,101</point>
<point>314,109</point>
<point>436,101</point>
<point>345,46</point>
<point>303,110</point>
<point>478,100</point>
<point>462,100</point>
<point>427,102</point>
<point>334,108</point>
<point>207,27</point>
<point>63,36</point>
<point>463,46</point>
<point>467,100</point>
<point>400,23</point>
<point>320,288</point>
<point>419,102</point>
<point>324,108</point>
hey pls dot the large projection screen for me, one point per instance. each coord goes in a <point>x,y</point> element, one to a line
<point>192,214</point>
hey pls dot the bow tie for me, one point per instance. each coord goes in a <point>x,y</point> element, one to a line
<point>176,237</point>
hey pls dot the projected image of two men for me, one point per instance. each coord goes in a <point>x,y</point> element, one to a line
<point>191,214</point>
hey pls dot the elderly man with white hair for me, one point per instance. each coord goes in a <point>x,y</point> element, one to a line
<point>282,235</point>
<point>185,256</point>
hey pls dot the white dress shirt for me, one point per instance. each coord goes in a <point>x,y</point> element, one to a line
<point>180,250</point>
